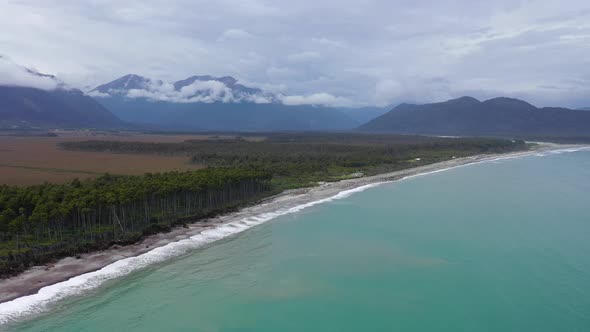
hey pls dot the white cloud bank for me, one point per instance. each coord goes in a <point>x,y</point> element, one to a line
<point>215,91</point>
<point>12,74</point>
<point>322,98</point>
<point>210,91</point>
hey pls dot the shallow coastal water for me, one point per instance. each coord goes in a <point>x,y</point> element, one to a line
<point>498,246</point>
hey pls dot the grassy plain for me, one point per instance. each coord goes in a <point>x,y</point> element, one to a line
<point>29,160</point>
<point>42,223</point>
<point>303,159</point>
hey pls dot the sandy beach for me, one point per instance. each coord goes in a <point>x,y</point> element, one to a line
<point>32,280</point>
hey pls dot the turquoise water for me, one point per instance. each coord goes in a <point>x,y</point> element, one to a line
<point>501,246</point>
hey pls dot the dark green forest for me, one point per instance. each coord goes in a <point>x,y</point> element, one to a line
<point>44,222</point>
<point>41,223</point>
<point>299,160</point>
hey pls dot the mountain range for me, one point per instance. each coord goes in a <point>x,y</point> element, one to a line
<point>213,103</point>
<point>30,107</point>
<point>209,103</point>
<point>468,116</point>
<point>224,88</point>
<point>27,107</point>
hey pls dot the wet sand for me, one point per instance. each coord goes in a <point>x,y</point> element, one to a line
<point>30,281</point>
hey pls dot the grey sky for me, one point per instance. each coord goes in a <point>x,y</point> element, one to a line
<point>342,52</point>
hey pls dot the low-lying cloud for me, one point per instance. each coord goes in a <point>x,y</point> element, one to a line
<point>322,98</point>
<point>209,91</point>
<point>12,74</point>
<point>368,52</point>
<point>205,90</point>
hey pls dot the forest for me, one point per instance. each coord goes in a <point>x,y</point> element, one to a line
<point>41,223</point>
<point>45,222</point>
<point>302,159</point>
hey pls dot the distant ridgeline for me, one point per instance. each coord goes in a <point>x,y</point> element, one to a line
<point>45,222</point>
<point>51,104</point>
<point>30,107</point>
<point>44,101</point>
<point>213,103</point>
<point>208,103</point>
<point>468,116</point>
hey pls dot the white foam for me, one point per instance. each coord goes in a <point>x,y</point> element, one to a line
<point>570,150</point>
<point>497,160</point>
<point>36,303</point>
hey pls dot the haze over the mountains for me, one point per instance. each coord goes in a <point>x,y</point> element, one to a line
<point>32,99</point>
<point>22,107</point>
<point>214,103</point>
<point>209,103</point>
<point>194,89</point>
<point>196,103</point>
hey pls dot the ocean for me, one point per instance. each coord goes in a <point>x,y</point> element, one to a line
<point>496,246</point>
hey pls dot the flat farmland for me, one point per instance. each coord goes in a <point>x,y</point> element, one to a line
<point>34,160</point>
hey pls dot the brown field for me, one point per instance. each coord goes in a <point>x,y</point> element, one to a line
<point>137,137</point>
<point>34,160</point>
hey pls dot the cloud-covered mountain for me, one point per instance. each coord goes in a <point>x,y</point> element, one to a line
<point>122,86</point>
<point>584,109</point>
<point>31,99</point>
<point>469,116</point>
<point>194,89</point>
<point>227,81</point>
<point>213,103</point>
<point>32,107</point>
<point>12,74</point>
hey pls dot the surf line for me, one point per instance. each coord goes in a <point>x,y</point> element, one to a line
<point>19,308</point>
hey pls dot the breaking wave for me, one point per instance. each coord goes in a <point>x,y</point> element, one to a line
<point>19,308</point>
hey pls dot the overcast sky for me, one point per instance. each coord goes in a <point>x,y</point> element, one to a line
<point>346,52</point>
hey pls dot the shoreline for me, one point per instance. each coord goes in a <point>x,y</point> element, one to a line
<point>204,232</point>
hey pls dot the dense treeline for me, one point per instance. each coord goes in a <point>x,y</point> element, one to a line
<point>43,222</point>
<point>302,159</point>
